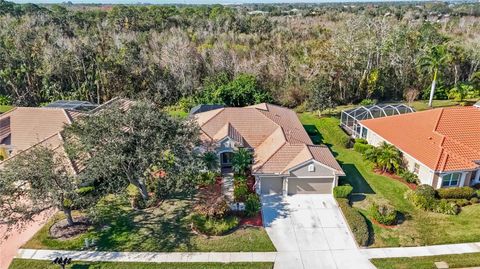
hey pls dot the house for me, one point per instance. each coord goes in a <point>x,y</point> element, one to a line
<point>285,159</point>
<point>22,128</point>
<point>441,146</point>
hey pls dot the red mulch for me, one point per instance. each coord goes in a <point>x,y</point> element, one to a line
<point>253,221</point>
<point>383,225</point>
<point>412,186</point>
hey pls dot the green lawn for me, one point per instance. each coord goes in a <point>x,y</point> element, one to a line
<point>454,261</point>
<point>165,228</point>
<point>5,108</point>
<point>418,227</point>
<point>36,264</point>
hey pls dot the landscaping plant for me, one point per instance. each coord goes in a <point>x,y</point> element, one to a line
<point>241,161</point>
<point>409,177</point>
<point>342,191</point>
<point>252,205</point>
<point>383,213</point>
<point>214,226</point>
<point>456,193</point>
<point>356,221</point>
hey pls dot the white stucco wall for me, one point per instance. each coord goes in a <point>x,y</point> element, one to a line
<point>425,174</point>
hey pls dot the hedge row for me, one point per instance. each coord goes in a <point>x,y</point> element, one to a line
<point>356,221</point>
<point>342,191</point>
<point>456,193</point>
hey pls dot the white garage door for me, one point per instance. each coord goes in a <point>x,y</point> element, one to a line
<point>271,185</point>
<point>310,185</point>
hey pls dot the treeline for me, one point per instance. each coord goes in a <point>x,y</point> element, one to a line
<point>190,54</point>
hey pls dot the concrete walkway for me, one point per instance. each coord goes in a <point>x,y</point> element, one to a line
<point>156,257</point>
<point>421,251</point>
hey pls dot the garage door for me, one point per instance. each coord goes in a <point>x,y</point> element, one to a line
<point>271,185</point>
<point>309,185</point>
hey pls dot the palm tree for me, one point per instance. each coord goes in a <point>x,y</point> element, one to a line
<point>431,63</point>
<point>241,161</point>
<point>389,158</point>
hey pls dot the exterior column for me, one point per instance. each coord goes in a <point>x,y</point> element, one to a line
<point>477,176</point>
<point>285,187</point>
<point>462,179</point>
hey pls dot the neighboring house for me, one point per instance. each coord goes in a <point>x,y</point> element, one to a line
<point>442,146</point>
<point>285,159</point>
<point>25,127</point>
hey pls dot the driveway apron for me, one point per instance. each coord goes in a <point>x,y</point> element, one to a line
<point>309,232</point>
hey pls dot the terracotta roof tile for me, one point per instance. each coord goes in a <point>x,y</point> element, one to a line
<point>277,136</point>
<point>444,139</point>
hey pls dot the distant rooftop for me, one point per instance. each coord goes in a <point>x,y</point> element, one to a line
<point>204,108</point>
<point>72,105</point>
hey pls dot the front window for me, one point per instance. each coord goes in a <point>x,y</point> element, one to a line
<point>451,180</point>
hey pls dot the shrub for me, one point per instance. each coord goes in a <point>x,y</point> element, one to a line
<point>345,141</point>
<point>409,177</point>
<point>356,221</point>
<point>384,213</point>
<point>361,148</point>
<point>477,193</point>
<point>445,207</point>
<point>368,102</point>
<point>474,200</point>
<point>240,192</point>
<point>212,226</point>
<point>207,178</point>
<point>211,203</point>
<point>361,141</point>
<point>423,197</point>
<point>456,193</point>
<point>342,191</point>
<point>252,205</point>
<point>461,202</point>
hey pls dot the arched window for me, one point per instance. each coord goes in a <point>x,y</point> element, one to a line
<point>311,168</point>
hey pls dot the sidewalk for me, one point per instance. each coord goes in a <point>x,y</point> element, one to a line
<point>157,257</point>
<point>421,251</point>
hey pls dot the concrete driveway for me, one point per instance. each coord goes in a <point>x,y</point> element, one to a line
<point>309,232</point>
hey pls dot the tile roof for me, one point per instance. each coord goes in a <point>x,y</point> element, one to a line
<point>278,138</point>
<point>444,139</point>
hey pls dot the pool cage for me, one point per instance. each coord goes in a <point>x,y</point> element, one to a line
<point>350,117</point>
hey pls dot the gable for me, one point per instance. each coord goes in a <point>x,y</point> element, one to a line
<point>318,170</point>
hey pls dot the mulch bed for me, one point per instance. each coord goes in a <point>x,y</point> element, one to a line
<point>383,225</point>
<point>253,221</point>
<point>61,231</point>
<point>412,186</point>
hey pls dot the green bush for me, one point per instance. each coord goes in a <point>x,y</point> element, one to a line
<point>456,193</point>
<point>409,177</point>
<point>445,207</point>
<point>207,178</point>
<point>252,205</point>
<point>361,141</point>
<point>240,192</point>
<point>474,200</point>
<point>346,141</point>
<point>356,221</point>
<point>460,202</point>
<point>213,226</point>
<point>361,148</point>
<point>368,102</point>
<point>342,191</point>
<point>384,213</point>
<point>424,198</point>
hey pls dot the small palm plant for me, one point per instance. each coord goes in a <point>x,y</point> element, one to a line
<point>241,161</point>
<point>389,159</point>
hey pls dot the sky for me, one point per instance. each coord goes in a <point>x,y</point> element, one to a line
<point>184,1</point>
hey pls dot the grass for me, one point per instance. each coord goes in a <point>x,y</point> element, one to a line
<point>418,227</point>
<point>454,261</point>
<point>4,109</point>
<point>37,264</point>
<point>165,228</point>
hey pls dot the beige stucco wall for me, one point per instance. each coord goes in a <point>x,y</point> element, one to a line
<point>319,171</point>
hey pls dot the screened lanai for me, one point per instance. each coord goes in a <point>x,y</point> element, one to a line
<point>351,117</point>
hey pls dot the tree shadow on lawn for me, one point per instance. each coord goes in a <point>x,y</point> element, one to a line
<point>355,179</point>
<point>163,228</point>
<point>317,137</point>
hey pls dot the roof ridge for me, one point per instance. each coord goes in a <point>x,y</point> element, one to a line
<point>215,115</point>
<point>438,119</point>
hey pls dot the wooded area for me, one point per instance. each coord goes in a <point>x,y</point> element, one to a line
<point>324,54</point>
